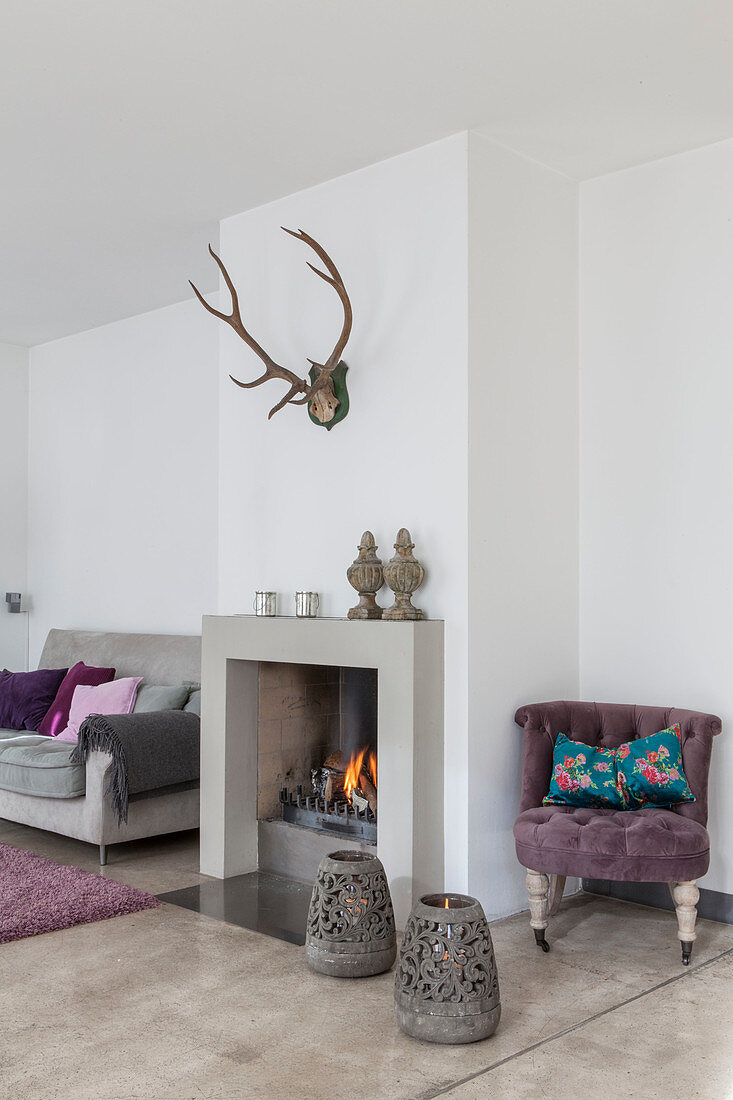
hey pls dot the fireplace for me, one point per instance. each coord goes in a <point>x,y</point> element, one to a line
<point>255,757</point>
<point>317,748</point>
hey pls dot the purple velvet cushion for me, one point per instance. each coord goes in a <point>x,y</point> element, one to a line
<point>650,845</point>
<point>26,696</point>
<point>57,715</point>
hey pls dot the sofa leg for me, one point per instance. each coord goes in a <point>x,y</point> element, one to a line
<point>685,896</point>
<point>102,855</point>
<point>538,886</point>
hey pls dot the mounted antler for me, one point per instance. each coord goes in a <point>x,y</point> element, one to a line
<point>319,393</point>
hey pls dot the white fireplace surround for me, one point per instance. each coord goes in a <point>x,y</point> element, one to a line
<point>408,658</point>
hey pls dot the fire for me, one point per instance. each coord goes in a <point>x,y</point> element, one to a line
<point>356,767</point>
<point>353,771</point>
<point>446,905</point>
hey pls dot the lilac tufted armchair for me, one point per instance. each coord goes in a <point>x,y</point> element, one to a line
<point>647,845</point>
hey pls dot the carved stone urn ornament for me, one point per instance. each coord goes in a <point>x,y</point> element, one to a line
<point>446,984</point>
<point>351,928</point>
<point>404,574</point>
<point>365,574</point>
<point>325,392</point>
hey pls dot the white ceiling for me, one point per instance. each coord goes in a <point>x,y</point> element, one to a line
<point>129,128</point>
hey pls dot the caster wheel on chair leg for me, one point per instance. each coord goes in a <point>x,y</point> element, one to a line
<point>539,935</point>
<point>686,952</point>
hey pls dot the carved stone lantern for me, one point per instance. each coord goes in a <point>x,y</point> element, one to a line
<point>351,928</point>
<point>446,984</point>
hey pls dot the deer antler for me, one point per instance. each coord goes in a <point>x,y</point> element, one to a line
<point>272,369</point>
<point>320,393</point>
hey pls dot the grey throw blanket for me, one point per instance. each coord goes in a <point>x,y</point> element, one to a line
<point>148,750</point>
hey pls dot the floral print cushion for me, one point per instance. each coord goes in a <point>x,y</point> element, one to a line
<point>637,773</point>
<point>650,770</point>
<point>584,776</point>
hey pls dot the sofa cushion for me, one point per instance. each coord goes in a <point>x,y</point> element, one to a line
<point>57,715</point>
<point>34,764</point>
<point>650,770</point>
<point>151,697</point>
<point>26,696</point>
<point>584,776</point>
<point>193,706</point>
<point>116,697</point>
<point>650,845</point>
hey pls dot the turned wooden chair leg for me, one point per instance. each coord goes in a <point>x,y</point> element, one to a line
<point>557,888</point>
<point>685,896</point>
<point>538,886</point>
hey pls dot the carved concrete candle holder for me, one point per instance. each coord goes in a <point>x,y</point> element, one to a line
<point>351,929</point>
<point>446,985</point>
<point>365,574</point>
<point>404,574</point>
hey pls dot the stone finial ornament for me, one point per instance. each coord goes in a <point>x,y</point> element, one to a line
<point>365,574</point>
<point>404,574</point>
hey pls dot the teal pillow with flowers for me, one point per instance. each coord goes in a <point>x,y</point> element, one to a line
<point>584,776</point>
<point>650,770</point>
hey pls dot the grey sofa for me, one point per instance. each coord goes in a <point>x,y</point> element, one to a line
<point>73,801</point>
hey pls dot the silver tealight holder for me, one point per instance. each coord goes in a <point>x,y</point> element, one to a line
<point>265,603</point>
<point>307,604</point>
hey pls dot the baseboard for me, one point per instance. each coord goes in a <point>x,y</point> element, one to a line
<point>713,904</point>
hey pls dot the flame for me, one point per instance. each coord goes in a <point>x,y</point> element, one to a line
<point>353,771</point>
<point>446,905</point>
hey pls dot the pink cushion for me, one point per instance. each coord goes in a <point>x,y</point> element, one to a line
<point>116,697</point>
<point>57,715</point>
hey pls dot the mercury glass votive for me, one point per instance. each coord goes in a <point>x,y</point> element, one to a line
<point>446,983</point>
<point>351,928</point>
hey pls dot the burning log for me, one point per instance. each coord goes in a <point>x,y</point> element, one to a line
<point>357,800</point>
<point>369,791</point>
<point>355,781</point>
<point>328,783</point>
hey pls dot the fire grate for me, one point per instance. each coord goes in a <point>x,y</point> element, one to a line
<point>334,816</point>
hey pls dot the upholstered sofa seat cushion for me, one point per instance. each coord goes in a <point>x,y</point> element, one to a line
<point>647,845</point>
<point>31,763</point>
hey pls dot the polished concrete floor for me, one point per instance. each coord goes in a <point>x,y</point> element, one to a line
<point>173,1004</point>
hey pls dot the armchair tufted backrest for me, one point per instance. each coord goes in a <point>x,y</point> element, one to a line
<point>608,725</point>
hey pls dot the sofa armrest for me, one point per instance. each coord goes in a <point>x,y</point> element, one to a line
<point>98,765</point>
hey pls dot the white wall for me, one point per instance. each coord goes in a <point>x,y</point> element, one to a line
<point>470,454</point>
<point>523,485</point>
<point>13,500</point>
<point>657,449</point>
<point>123,476</point>
<point>294,498</point>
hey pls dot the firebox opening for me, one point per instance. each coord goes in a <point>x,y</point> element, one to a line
<point>317,761</point>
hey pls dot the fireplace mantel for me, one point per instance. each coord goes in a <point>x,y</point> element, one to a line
<point>408,657</point>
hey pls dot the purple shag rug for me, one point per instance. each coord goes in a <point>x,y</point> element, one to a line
<point>38,895</point>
